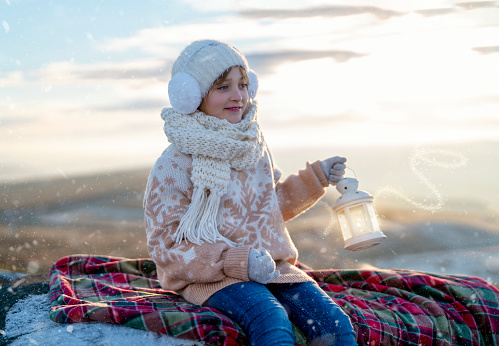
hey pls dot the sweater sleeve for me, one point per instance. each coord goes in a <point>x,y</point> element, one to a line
<point>298,192</point>
<point>166,200</point>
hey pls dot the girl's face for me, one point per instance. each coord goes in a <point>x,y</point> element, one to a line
<point>227,99</point>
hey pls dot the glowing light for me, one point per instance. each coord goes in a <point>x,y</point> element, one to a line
<point>431,158</point>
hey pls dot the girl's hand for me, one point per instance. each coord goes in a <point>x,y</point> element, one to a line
<point>261,267</point>
<point>334,169</point>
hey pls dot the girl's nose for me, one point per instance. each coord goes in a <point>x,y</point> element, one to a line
<point>236,95</point>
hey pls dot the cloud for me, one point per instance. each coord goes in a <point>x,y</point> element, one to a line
<point>11,79</point>
<point>459,6</point>
<point>486,50</point>
<point>320,11</point>
<point>160,72</point>
<point>134,105</point>
<point>67,87</point>
<point>306,120</point>
<point>252,37</point>
<point>436,11</point>
<point>134,71</point>
<point>7,120</point>
<point>266,62</point>
<point>474,5</point>
<point>240,28</point>
<point>493,99</point>
<point>157,41</point>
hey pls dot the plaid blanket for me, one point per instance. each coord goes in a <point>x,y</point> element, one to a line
<point>387,307</point>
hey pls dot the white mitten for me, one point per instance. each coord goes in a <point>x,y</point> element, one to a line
<point>334,169</point>
<point>261,267</point>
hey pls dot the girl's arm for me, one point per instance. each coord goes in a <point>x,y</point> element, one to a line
<point>165,202</point>
<point>298,192</point>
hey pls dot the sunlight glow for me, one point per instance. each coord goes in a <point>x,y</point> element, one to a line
<point>385,73</point>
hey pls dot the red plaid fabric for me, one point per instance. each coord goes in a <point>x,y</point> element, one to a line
<point>386,307</point>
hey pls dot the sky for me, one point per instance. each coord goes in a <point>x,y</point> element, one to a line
<point>82,85</point>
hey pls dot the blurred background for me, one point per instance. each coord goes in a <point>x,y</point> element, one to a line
<point>407,91</point>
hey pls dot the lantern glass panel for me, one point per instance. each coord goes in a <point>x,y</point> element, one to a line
<point>360,223</point>
<point>345,227</point>
<point>373,217</point>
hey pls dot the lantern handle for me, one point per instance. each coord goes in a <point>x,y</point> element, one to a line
<point>355,175</point>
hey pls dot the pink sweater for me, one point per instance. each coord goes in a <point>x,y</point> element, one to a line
<point>252,214</point>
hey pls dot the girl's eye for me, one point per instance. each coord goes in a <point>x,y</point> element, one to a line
<point>223,87</point>
<point>244,85</point>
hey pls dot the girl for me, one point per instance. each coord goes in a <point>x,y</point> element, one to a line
<point>215,206</point>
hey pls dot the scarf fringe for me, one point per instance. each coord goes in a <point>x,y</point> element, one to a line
<point>199,223</point>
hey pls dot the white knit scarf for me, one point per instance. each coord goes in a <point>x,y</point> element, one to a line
<point>216,146</point>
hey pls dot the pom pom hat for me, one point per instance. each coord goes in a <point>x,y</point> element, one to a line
<point>197,67</point>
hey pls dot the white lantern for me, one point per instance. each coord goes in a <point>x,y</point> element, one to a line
<point>356,216</point>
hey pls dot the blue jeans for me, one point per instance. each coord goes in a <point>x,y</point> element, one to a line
<point>264,312</point>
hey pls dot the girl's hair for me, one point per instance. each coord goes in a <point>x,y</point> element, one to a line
<point>224,75</point>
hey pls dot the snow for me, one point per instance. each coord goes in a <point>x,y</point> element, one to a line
<point>6,26</point>
<point>28,322</point>
<point>8,275</point>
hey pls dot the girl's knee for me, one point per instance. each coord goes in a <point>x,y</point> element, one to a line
<point>341,321</point>
<point>335,328</point>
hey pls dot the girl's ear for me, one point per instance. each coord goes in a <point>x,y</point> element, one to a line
<point>184,93</point>
<point>253,84</point>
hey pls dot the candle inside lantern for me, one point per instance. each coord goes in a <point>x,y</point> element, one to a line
<point>356,216</point>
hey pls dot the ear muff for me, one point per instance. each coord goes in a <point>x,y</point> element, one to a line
<point>184,93</point>
<point>253,84</point>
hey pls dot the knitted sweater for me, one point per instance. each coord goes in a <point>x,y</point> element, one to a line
<point>252,214</point>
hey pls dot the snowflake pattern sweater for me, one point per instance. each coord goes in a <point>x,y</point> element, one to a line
<point>252,214</point>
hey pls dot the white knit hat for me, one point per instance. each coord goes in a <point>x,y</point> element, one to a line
<point>196,69</point>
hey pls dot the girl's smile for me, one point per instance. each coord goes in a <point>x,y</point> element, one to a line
<point>234,109</point>
<point>227,99</point>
